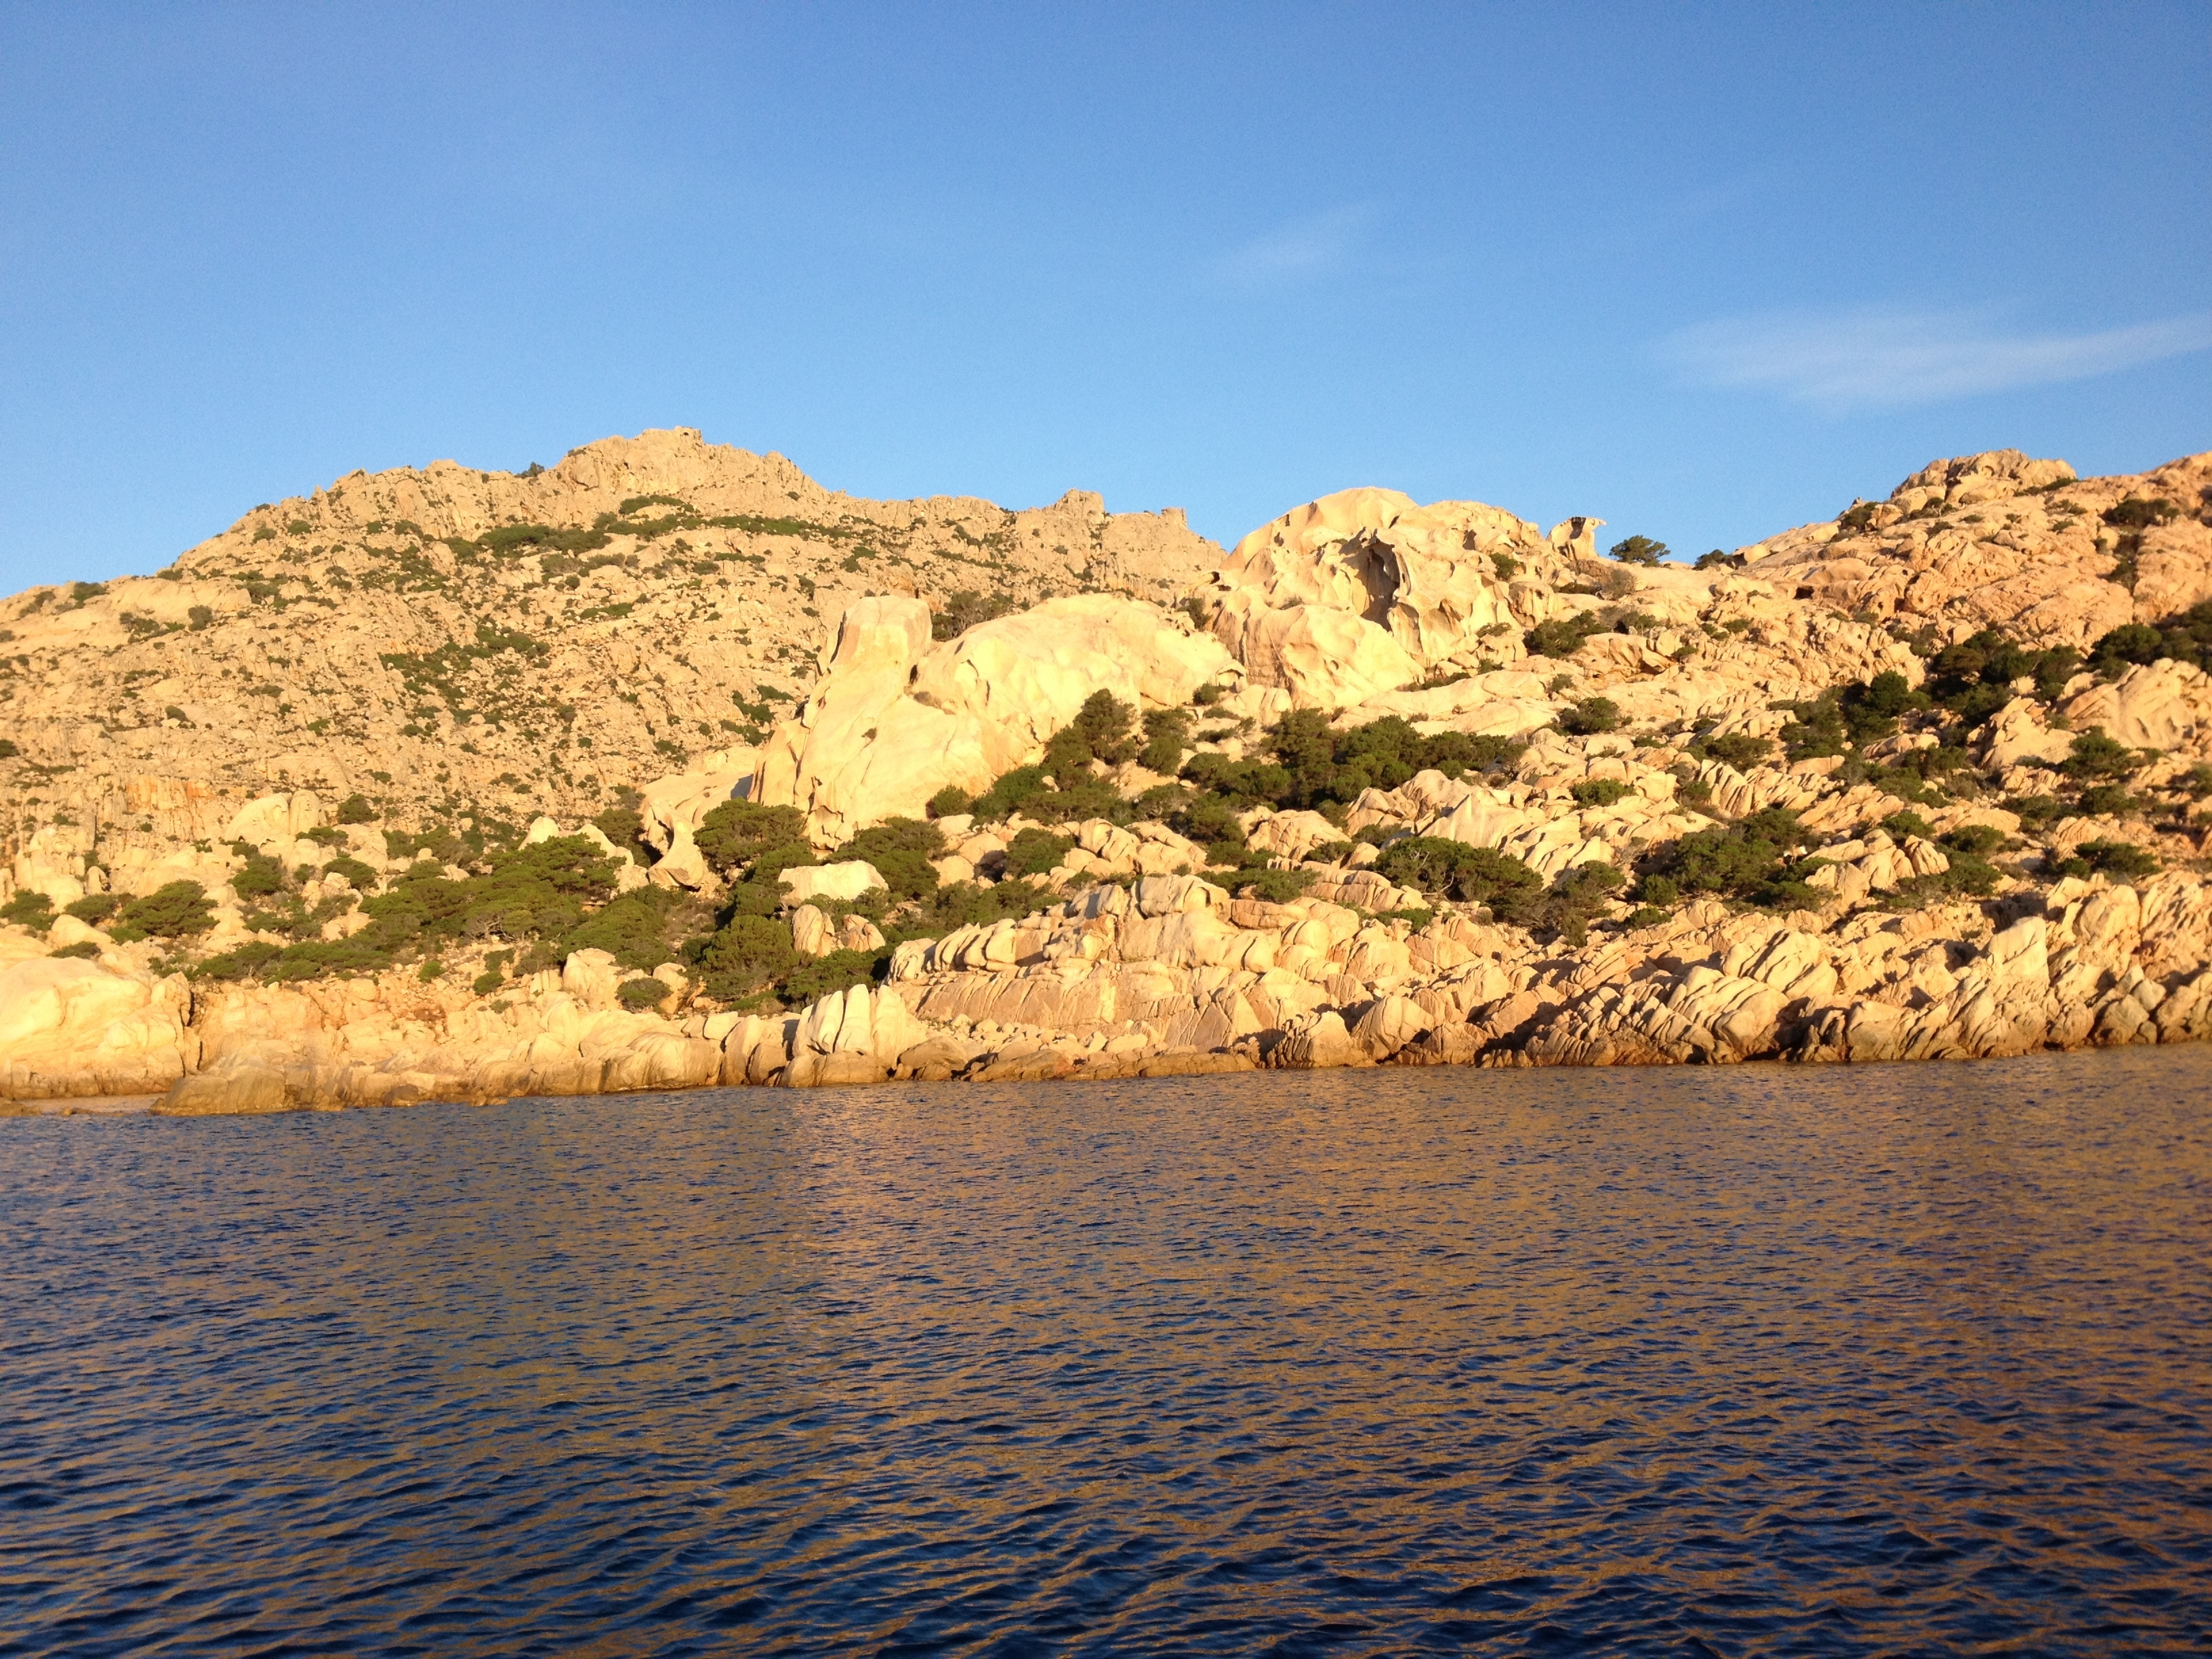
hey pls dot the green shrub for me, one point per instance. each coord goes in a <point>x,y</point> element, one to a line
<point>200,617</point>
<point>177,910</point>
<point>1506,565</point>
<point>2186,637</point>
<point>2116,857</point>
<point>812,980</point>
<point>29,908</point>
<point>1104,729</point>
<point>1599,792</point>
<point>630,928</point>
<point>1452,869</point>
<point>1562,636</point>
<point>1639,549</point>
<point>900,849</point>
<point>94,908</point>
<point>487,982</point>
<point>1748,859</point>
<point>351,871</point>
<point>1013,791</point>
<point>2107,800</point>
<point>1577,894</point>
<point>639,994</point>
<point>738,832</point>
<point>1589,717</point>
<point>1275,887</point>
<point>963,609</point>
<point>1313,764</point>
<point>2136,513</point>
<point>1973,678</point>
<point>240,963</point>
<point>1036,852</point>
<point>949,802</point>
<point>1167,734</point>
<point>261,877</point>
<point>7,749</point>
<point>2095,755</point>
<point>2036,812</point>
<point>1739,750</point>
<point>747,953</point>
<point>1208,695</point>
<point>84,950</point>
<point>355,809</point>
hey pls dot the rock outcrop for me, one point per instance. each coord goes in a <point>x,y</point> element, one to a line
<point>895,718</point>
<point>1604,718</point>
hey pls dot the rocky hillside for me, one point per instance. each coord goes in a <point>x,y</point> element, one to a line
<point>1391,782</point>
<point>459,644</point>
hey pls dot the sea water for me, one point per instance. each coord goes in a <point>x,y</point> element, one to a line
<point>1751,1360</point>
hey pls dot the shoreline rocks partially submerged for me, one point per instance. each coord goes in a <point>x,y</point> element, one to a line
<point>1173,977</point>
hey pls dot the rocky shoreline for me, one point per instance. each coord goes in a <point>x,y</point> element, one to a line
<point>1394,785</point>
<point>1142,981</point>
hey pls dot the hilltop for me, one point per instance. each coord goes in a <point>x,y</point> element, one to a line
<point>496,644</point>
<point>1061,793</point>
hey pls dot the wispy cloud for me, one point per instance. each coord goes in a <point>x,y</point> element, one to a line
<point>1300,250</point>
<point>1873,358</point>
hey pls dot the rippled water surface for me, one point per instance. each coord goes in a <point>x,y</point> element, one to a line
<point>1747,1361</point>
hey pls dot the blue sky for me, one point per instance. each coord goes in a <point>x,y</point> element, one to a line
<point>1705,272</point>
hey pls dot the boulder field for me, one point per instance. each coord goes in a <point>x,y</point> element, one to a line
<point>1393,784</point>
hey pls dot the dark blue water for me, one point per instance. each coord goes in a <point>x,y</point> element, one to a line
<point>1755,1361</point>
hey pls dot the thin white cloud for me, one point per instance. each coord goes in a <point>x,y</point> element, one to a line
<point>1304,248</point>
<point>1872,358</point>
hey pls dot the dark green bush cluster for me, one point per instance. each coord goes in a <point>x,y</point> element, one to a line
<point>177,909</point>
<point>1562,636</point>
<point>1973,678</point>
<point>1756,859</point>
<point>1846,716</point>
<point>1739,750</point>
<point>2109,858</point>
<point>2186,636</point>
<point>639,994</point>
<point>1598,792</point>
<point>753,845</point>
<point>552,898</point>
<point>29,908</point>
<point>902,851</point>
<point>1589,717</point>
<point>2136,513</point>
<point>1036,852</point>
<point>1315,765</point>
<point>1639,549</point>
<point>1508,888</point>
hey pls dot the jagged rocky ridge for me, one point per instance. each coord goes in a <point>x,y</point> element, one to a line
<point>1393,784</point>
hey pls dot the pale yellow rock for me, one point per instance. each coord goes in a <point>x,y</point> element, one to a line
<point>843,882</point>
<point>2163,705</point>
<point>811,934</point>
<point>591,976</point>
<point>896,720</point>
